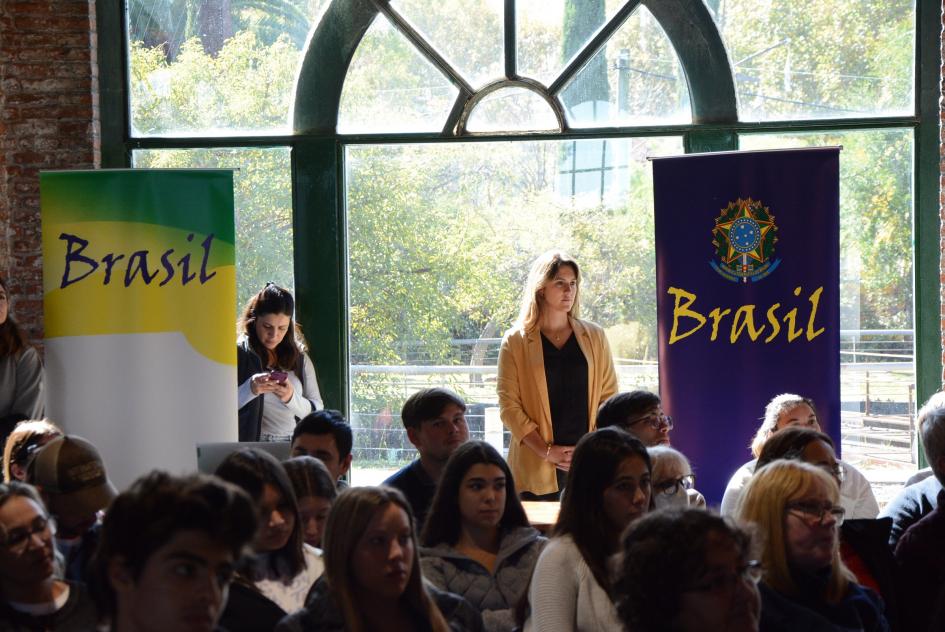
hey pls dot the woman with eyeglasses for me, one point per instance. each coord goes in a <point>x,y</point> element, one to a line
<point>805,585</point>
<point>789,410</point>
<point>864,545</point>
<point>609,488</point>
<point>554,371</point>
<point>673,480</point>
<point>31,596</point>
<point>687,570</point>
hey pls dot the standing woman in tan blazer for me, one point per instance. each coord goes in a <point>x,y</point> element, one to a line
<point>554,371</point>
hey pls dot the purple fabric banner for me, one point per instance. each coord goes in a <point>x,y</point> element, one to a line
<point>748,296</point>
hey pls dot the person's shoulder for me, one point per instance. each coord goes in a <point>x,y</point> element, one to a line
<point>520,536</point>
<point>742,475</point>
<point>514,335</point>
<point>29,354</point>
<point>79,610</point>
<point>320,614</point>
<point>864,598</point>
<point>561,550</point>
<point>912,495</point>
<point>437,553</point>
<point>401,477</point>
<point>851,473</point>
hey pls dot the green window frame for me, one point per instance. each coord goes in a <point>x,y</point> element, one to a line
<point>318,150</point>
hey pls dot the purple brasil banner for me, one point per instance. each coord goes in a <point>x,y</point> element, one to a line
<point>748,287</point>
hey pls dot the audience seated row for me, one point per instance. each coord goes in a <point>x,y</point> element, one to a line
<point>632,547</point>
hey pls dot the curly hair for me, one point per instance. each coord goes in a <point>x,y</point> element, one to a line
<point>661,554</point>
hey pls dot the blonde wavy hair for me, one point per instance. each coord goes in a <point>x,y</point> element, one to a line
<point>543,270</point>
<point>779,405</point>
<point>350,514</point>
<point>763,503</point>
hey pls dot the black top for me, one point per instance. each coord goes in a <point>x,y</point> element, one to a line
<point>417,486</point>
<point>566,375</point>
<point>76,615</point>
<point>910,505</point>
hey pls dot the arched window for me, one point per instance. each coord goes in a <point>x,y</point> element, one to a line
<point>402,161</point>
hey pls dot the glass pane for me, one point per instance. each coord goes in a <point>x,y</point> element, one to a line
<point>830,59</point>
<point>550,32</point>
<point>877,368</point>
<point>211,67</point>
<point>440,239</point>
<point>391,87</point>
<point>512,110</point>
<point>634,79</point>
<point>263,199</point>
<point>468,33</point>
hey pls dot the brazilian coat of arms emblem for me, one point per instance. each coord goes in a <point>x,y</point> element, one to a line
<point>744,237</point>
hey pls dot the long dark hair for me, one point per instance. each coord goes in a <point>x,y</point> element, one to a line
<point>594,465</point>
<point>12,339</point>
<point>273,299</point>
<point>251,470</point>
<point>444,522</point>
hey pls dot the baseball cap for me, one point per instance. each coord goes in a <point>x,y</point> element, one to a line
<point>71,474</point>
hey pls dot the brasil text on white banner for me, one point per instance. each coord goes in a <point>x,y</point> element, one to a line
<point>139,287</point>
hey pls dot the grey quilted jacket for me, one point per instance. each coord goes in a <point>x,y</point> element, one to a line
<point>494,594</point>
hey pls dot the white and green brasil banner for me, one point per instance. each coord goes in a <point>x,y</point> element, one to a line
<point>139,284</point>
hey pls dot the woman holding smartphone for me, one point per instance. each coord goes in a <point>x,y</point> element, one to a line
<point>555,370</point>
<point>276,378</point>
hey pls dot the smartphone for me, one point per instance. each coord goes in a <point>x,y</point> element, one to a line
<point>278,376</point>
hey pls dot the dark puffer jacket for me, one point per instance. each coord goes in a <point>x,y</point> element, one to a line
<point>494,593</point>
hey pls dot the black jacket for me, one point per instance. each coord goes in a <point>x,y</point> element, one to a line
<point>249,364</point>
<point>248,610</point>
<point>869,539</point>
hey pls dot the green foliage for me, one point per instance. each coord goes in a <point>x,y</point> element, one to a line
<point>582,18</point>
<point>820,59</point>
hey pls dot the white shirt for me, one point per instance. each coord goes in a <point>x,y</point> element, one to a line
<point>856,495</point>
<point>564,595</point>
<point>291,597</point>
<point>278,418</point>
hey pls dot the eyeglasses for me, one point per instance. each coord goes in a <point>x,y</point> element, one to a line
<point>655,421</point>
<point>18,539</point>
<point>672,485</point>
<point>816,512</point>
<point>836,471</point>
<point>749,572</point>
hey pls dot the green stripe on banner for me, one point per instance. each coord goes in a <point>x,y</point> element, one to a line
<point>178,198</point>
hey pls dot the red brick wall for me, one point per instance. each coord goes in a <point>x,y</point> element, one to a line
<point>48,120</point>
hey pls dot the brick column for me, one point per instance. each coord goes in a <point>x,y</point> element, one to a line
<point>48,120</point>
